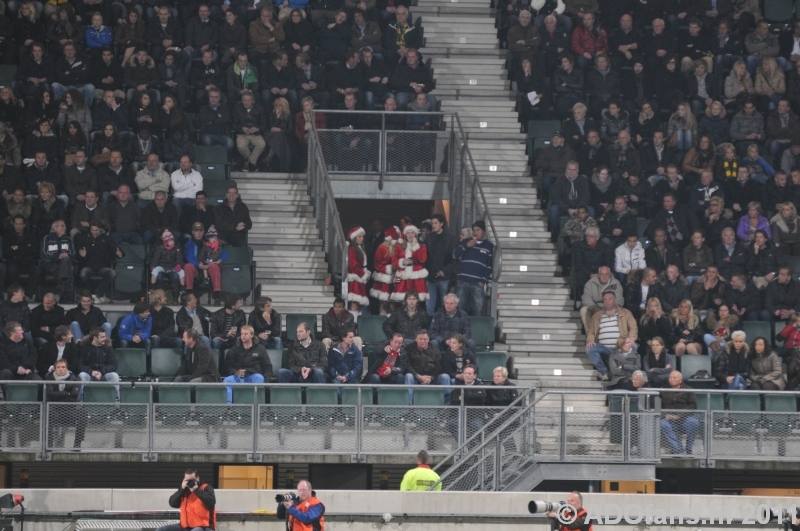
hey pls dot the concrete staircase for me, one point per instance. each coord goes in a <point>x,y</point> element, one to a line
<point>290,262</point>
<point>535,315</point>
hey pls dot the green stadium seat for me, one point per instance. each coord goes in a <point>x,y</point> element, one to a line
<point>276,358</point>
<point>174,395</point>
<point>244,395</point>
<point>543,128</point>
<point>211,155</point>
<point>350,395</point>
<point>689,367</point>
<point>165,362</point>
<point>641,226</point>
<point>130,278</point>
<point>114,318</point>
<point>134,395</point>
<point>537,146</point>
<point>482,332</point>
<point>780,403</point>
<point>322,395</point>
<point>20,392</point>
<point>778,10</point>
<point>717,401</point>
<point>8,74</point>
<point>285,395</point>
<point>216,190</point>
<point>132,362</point>
<point>133,254</point>
<point>488,361</point>
<point>755,329</point>
<point>239,256</point>
<point>392,396</point>
<point>210,395</point>
<point>777,327</point>
<point>428,397</point>
<point>370,328</point>
<point>294,319</point>
<point>102,394</point>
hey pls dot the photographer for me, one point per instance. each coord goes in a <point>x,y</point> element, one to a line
<point>196,501</point>
<point>303,513</point>
<point>577,518</point>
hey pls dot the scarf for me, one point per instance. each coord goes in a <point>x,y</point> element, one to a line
<point>58,378</point>
<point>413,107</point>
<point>602,186</point>
<point>214,246</point>
<point>659,363</point>
<point>169,245</point>
<point>730,168</point>
<point>400,40</point>
<point>249,75</point>
<point>703,158</point>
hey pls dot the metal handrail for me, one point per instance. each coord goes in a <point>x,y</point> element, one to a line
<point>321,191</point>
<point>498,250</point>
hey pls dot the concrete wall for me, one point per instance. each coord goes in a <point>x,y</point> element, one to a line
<point>360,510</point>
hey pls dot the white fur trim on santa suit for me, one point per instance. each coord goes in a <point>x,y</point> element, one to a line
<point>352,277</point>
<point>380,295</point>
<point>383,277</point>
<point>356,233</point>
<point>397,296</point>
<point>352,297</point>
<point>408,272</point>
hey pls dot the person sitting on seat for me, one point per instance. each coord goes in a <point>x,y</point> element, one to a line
<point>425,365</point>
<point>684,422</point>
<point>247,361</point>
<point>345,360</point>
<point>98,360</point>
<point>136,327</point>
<point>17,355</point>
<point>166,263</point>
<point>336,322</point>
<point>198,363</point>
<point>308,359</point>
<point>226,325</point>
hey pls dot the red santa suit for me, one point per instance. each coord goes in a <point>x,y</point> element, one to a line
<point>357,272</point>
<point>383,277</point>
<point>413,274</point>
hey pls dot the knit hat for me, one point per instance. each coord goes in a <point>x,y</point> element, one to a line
<point>355,232</point>
<point>166,236</point>
<point>198,226</point>
<point>411,228</point>
<point>480,224</point>
<point>211,232</point>
<point>391,234</point>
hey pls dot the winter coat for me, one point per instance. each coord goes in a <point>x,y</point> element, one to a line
<point>400,322</point>
<point>650,328</point>
<point>628,259</point>
<point>71,388</point>
<point>141,74</point>
<point>626,222</point>
<point>101,359</point>
<point>749,299</point>
<point>732,363</point>
<point>672,293</point>
<point>660,260</point>
<point>695,261</point>
<point>775,80</point>
<point>730,325</point>
<point>167,258</point>
<point>184,321</point>
<point>716,127</point>
<point>133,325</point>
<point>587,260</point>
<point>564,189</point>
<point>592,41</point>
<point>552,161</point>
<point>701,297</point>
<point>679,400</point>
<point>766,368</point>
<point>348,364</point>
<point>86,321</point>
<point>15,311</point>
<point>594,289</point>
<point>335,328</point>
<point>679,329</point>
<point>253,360</point>
<point>218,328</point>
<point>742,126</point>
<point>226,219</point>
<point>199,363</point>
<point>259,324</point>
<point>426,362</point>
<point>781,231</point>
<point>313,356</point>
<point>625,322</point>
<point>764,262</point>
<point>501,395</point>
<point>779,296</point>
<point>622,365</point>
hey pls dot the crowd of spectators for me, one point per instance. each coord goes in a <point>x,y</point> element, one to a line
<point>673,181</point>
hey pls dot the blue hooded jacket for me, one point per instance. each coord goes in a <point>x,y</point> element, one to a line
<point>347,364</point>
<point>132,325</point>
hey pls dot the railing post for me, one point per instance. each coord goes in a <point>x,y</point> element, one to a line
<point>382,151</point>
<point>498,463</point>
<point>709,429</point>
<point>359,424</point>
<point>43,427</point>
<point>563,432</point>
<point>625,419</point>
<point>255,419</point>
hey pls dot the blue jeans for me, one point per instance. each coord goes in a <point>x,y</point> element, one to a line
<point>87,91</point>
<point>470,297</point>
<point>436,291</point>
<point>146,343</point>
<point>761,315</point>
<point>709,340</point>
<point>273,343</point>
<point>598,354</point>
<point>253,378</point>
<point>315,376</point>
<point>690,426</point>
<point>218,140</point>
<point>683,140</point>
<point>77,334</point>
<point>181,202</point>
<point>442,379</point>
<point>738,384</point>
<point>108,377</point>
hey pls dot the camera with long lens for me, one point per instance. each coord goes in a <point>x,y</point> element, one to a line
<point>191,483</point>
<point>537,507</point>
<point>289,496</point>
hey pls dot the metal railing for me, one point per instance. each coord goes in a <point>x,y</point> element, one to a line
<point>326,213</point>
<point>153,418</point>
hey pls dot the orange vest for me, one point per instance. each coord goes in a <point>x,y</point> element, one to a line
<point>297,525</point>
<point>194,512</point>
<point>581,512</point>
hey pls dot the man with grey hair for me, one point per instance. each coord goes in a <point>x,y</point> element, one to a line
<point>570,191</point>
<point>449,321</point>
<point>588,256</point>
<point>605,328</point>
<point>303,512</point>
<point>674,424</point>
<point>592,299</point>
<point>57,255</point>
<point>639,379</point>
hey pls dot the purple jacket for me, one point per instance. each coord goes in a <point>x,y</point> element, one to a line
<point>744,225</point>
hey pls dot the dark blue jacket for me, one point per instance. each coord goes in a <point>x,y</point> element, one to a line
<point>132,325</point>
<point>476,262</point>
<point>347,364</point>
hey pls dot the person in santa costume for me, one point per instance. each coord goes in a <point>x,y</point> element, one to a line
<point>357,272</point>
<point>383,277</point>
<point>409,264</point>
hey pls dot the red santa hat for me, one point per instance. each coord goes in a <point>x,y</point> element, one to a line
<point>391,234</point>
<point>411,228</point>
<point>355,232</point>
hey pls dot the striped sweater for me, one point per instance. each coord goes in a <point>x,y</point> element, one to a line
<point>476,262</point>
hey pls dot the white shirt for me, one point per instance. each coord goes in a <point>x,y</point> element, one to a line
<point>796,46</point>
<point>645,290</point>
<point>186,186</point>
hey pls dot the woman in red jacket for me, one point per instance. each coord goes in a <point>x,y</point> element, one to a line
<point>409,264</point>
<point>383,277</point>
<point>357,272</point>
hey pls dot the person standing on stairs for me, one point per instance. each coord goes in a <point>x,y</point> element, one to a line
<point>357,272</point>
<point>476,256</point>
<point>383,275</point>
<point>441,245</point>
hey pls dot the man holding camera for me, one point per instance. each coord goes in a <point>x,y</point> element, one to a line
<point>196,501</point>
<point>303,513</point>
<point>576,518</point>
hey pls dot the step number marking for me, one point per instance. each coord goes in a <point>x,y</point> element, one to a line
<point>484,124</point>
<point>545,337</point>
<point>462,40</point>
<point>569,409</point>
<point>492,168</point>
<point>534,302</point>
<point>512,234</point>
<point>473,81</point>
<point>503,200</point>
<point>523,268</point>
<point>556,372</point>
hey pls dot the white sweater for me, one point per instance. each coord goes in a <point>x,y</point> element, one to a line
<point>627,259</point>
<point>186,186</point>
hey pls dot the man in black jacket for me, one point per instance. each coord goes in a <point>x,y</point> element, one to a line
<point>615,225</point>
<point>744,299</point>
<point>160,214</point>
<point>588,256</point>
<point>79,177</point>
<point>407,320</point>
<point>592,153</point>
<point>409,78</point>
<point>661,254</point>
<point>60,347</point>
<point>21,252</point>
<point>441,245</point>
<point>636,294</point>
<point>347,78</point>
<point>45,318</point>
<point>205,77</point>
<point>247,361</point>
<point>400,37</point>
<point>36,71</point>
<point>17,355</point>
<point>232,219</point>
<point>308,359</point>
<point>107,76</point>
<point>336,323</point>
<point>730,256</point>
<point>278,81</point>
<point>85,317</point>
<point>96,255</point>
<point>656,156</point>
<point>201,33</point>
<point>425,365</point>
<point>675,219</point>
<point>226,325</point>
<point>390,368</point>
<point>98,360</point>
<point>72,72</point>
<point>674,289</point>
<point>163,32</point>
<point>250,122</point>
<point>112,109</point>
<point>311,80</point>
<point>214,122</point>
<point>57,255</point>
<point>198,361</point>
<point>782,297</point>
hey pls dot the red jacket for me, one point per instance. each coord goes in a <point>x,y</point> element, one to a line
<point>791,335</point>
<point>594,42</point>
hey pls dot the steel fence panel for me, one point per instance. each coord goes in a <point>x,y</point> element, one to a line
<point>409,429</point>
<point>643,436</point>
<point>594,436</point>
<point>204,428</point>
<point>98,427</point>
<point>309,429</point>
<point>546,427</point>
<point>755,435</point>
<point>475,475</point>
<point>350,150</point>
<point>419,152</point>
<point>21,427</point>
